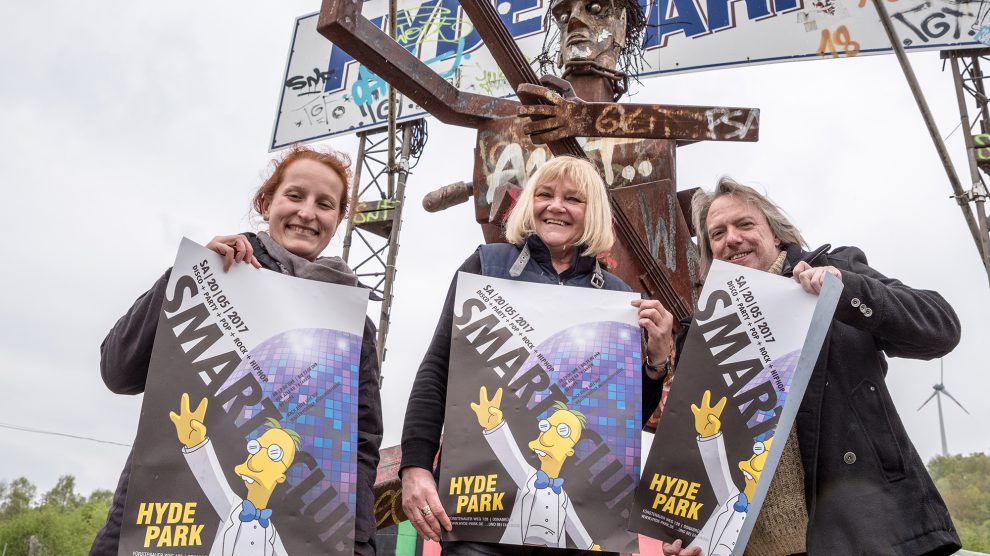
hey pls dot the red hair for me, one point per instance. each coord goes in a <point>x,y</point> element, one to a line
<point>338,162</point>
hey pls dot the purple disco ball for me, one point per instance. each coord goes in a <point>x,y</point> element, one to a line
<point>598,366</point>
<point>311,376</point>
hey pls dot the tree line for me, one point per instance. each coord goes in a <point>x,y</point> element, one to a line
<point>62,522</point>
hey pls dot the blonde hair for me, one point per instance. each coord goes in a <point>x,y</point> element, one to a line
<point>597,236</point>
<point>782,229</point>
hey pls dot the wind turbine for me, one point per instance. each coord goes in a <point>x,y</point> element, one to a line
<point>937,394</point>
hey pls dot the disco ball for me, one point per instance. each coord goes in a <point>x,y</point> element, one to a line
<point>598,366</point>
<point>311,376</point>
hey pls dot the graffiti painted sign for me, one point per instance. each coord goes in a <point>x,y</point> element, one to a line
<point>326,93</point>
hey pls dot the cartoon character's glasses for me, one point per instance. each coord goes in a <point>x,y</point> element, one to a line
<point>275,452</point>
<point>563,430</point>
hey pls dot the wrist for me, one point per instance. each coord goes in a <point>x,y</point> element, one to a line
<point>658,370</point>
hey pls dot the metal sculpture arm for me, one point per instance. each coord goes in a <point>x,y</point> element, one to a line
<point>342,23</point>
<point>559,118</point>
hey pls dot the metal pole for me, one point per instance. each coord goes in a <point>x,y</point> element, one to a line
<point>981,94</point>
<point>919,97</point>
<point>393,14</point>
<point>941,426</point>
<point>355,192</point>
<point>393,250</point>
<point>979,191</point>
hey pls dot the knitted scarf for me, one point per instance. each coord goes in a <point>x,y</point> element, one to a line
<point>324,269</point>
<point>782,526</point>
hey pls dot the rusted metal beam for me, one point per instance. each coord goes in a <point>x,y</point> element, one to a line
<point>342,23</point>
<point>447,196</point>
<point>574,118</point>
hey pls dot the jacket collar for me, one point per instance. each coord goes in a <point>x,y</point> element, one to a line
<point>796,254</point>
<point>582,264</point>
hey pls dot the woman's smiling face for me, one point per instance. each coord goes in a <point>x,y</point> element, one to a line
<point>558,214</point>
<point>305,210</point>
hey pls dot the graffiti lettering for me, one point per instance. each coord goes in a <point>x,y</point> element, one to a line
<point>982,144</point>
<point>629,120</point>
<point>671,17</point>
<point>983,35</point>
<point>388,507</point>
<point>606,147</point>
<point>842,39</point>
<point>718,117</point>
<point>438,26</point>
<point>660,236</point>
<point>490,81</point>
<point>310,82</point>
<point>932,26</point>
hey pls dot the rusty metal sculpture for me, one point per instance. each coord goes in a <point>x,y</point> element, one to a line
<point>633,144</point>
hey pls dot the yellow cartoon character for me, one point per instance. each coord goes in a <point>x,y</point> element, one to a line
<point>542,511</point>
<point>246,528</point>
<point>718,536</point>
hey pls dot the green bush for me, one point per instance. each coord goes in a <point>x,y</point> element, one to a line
<point>63,523</point>
<point>964,482</point>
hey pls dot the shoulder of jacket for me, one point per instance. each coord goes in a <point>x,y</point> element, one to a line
<point>619,283</point>
<point>492,248</point>
<point>846,255</point>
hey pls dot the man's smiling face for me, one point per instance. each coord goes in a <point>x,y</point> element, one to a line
<point>739,233</point>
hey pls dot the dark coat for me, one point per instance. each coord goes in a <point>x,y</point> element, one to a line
<point>867,490</point>
<point>126,355</point>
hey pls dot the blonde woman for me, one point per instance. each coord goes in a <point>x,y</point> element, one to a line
<point>560,224</point>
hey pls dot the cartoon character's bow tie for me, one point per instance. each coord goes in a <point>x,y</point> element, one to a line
<point>742,504</point>
<point>543,481</point>
<point>250,513</point>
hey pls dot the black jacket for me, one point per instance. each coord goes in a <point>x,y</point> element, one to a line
<point>126,355</point>
<point>866,488</point>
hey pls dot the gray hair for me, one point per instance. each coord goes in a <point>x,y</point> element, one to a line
<point>781,227</point>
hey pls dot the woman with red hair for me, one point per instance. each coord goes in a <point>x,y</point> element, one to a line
<point>303,201</point>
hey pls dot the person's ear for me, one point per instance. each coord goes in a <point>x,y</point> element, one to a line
<point>265,205</point>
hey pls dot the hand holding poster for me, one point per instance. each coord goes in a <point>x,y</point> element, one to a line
<point>543,415</point>
<point>744,368</point>
<point>248,433</point>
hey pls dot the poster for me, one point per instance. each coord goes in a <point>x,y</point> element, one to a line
<point>746,362</point>
<point>543,416</point>
<point>248,430</point>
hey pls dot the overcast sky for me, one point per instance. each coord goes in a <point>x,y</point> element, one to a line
<point>129,124</point>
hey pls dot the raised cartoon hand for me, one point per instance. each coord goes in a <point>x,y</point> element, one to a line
<point>489,412</point>
<point>707,418</point>
<point>189,425</point>
<point>234,249</point>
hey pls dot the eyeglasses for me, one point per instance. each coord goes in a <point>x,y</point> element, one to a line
<point>275,452</point>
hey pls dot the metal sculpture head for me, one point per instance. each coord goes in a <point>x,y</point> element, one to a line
<point>601,37</point>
